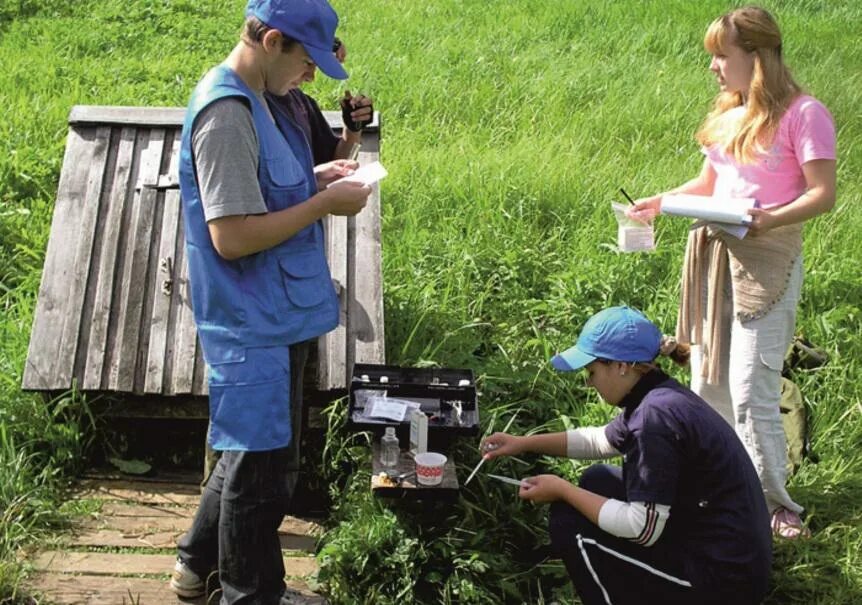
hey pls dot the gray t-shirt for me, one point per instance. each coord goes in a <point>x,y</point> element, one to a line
<point>226,153</point>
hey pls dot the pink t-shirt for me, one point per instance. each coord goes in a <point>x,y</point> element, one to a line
<point>806,132</point>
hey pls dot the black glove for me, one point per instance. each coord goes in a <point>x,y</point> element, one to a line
<point>347,108</point>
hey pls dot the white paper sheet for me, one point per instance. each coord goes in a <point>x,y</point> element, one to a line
<point>389,408</point>
<point>719,210</point>
<point>729,214</point>
<point>367,175</point>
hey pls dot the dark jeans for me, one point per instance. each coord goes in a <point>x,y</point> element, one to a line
<point>594,558</point>
<point>243,503</point>
<point>299,355</point>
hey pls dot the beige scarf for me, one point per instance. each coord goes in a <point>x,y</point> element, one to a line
<point>760,269</point>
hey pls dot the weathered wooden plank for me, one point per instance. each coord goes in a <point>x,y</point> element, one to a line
<point>185,334</point>
<point>66,589</point>
<point>167,116</point>
<point>365,338</point>
<point>161,519</point>
<point>160,358</point>
<point>104,279</point>
<point>87,309</point>
<point>331,347</point>
<point>111,564</point>
<point>77,278</point>
<point>54,336</point>
<point>132,289</point>
<point>125,515</point>
<point>151,117</point>
<point>113,508</point>
<point>129,524</point>
<point>143,537</point>
<point>138,492</point>
<point>162,294</point>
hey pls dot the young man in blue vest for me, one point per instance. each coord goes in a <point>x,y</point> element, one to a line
<point>260,285</point>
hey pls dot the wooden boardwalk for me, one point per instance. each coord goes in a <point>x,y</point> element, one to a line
<point>124,553</point>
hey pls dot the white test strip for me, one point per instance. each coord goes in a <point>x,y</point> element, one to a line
<point>509,480</point>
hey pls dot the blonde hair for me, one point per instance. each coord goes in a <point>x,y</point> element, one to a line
<point>770,93</point>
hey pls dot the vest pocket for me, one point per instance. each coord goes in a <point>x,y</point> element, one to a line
<point>306,278</point>
<point>283,182</point>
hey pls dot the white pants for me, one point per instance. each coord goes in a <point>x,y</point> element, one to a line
<point>748,392</point>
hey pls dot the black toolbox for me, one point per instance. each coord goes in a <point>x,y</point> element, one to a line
<point>447,397</point>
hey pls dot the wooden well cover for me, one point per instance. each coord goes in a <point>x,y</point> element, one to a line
<point>113,311</point>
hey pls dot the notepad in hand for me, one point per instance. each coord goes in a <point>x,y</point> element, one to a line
<point>713,209</point>
<point>726,213</point>
<point>367,175</point>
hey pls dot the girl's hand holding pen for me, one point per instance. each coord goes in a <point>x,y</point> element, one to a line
<point>501,444</point>
<point>645,209</point>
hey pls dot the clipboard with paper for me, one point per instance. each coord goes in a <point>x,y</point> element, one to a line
<point>726,213</point>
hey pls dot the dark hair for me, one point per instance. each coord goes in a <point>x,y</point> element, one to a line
<point>254,30</point>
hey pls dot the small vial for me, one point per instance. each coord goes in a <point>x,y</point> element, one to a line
<point>389,448</point>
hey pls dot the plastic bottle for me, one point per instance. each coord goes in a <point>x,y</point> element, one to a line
<point>389,448</point>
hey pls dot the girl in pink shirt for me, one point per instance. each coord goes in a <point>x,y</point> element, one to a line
<point>764,139</point>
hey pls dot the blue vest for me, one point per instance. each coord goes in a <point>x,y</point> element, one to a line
<point>279,296</point>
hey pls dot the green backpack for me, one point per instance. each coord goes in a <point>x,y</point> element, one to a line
<point>800,355</point>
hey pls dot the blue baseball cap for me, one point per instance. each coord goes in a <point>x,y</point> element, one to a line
<point>617,334</point>
<point>312,23</point>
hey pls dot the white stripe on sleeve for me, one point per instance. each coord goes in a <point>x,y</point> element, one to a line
<point>640,522</point>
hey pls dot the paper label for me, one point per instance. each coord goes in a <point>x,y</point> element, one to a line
<point>367,175</point>
<point>632,235</point>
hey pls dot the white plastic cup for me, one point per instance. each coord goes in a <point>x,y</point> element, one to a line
<point>429,468</point>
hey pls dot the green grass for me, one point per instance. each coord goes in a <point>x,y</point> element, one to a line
<point>507,129</point>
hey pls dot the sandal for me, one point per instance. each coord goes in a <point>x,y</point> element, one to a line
<point>787,524</point>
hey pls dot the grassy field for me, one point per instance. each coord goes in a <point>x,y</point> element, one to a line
<point>508,128</point>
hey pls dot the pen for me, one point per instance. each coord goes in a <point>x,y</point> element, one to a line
<point>630,200</point>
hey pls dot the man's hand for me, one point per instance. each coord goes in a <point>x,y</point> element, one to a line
<point>346,199</point>
<point>332,171</point>
<point>501,444</point>
<point>356,112</point>
<point>543,488</point>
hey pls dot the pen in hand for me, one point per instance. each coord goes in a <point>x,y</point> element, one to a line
<point>628,198</point>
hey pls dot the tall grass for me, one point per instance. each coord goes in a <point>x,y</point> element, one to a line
<point>507,129</point>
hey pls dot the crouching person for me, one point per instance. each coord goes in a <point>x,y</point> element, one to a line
<point>683,520</point>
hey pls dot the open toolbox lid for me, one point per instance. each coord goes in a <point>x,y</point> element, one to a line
<point>446,395</point>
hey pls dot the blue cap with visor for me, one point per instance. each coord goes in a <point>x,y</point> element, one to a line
<point>312,23</point>
<point>615,334</point>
